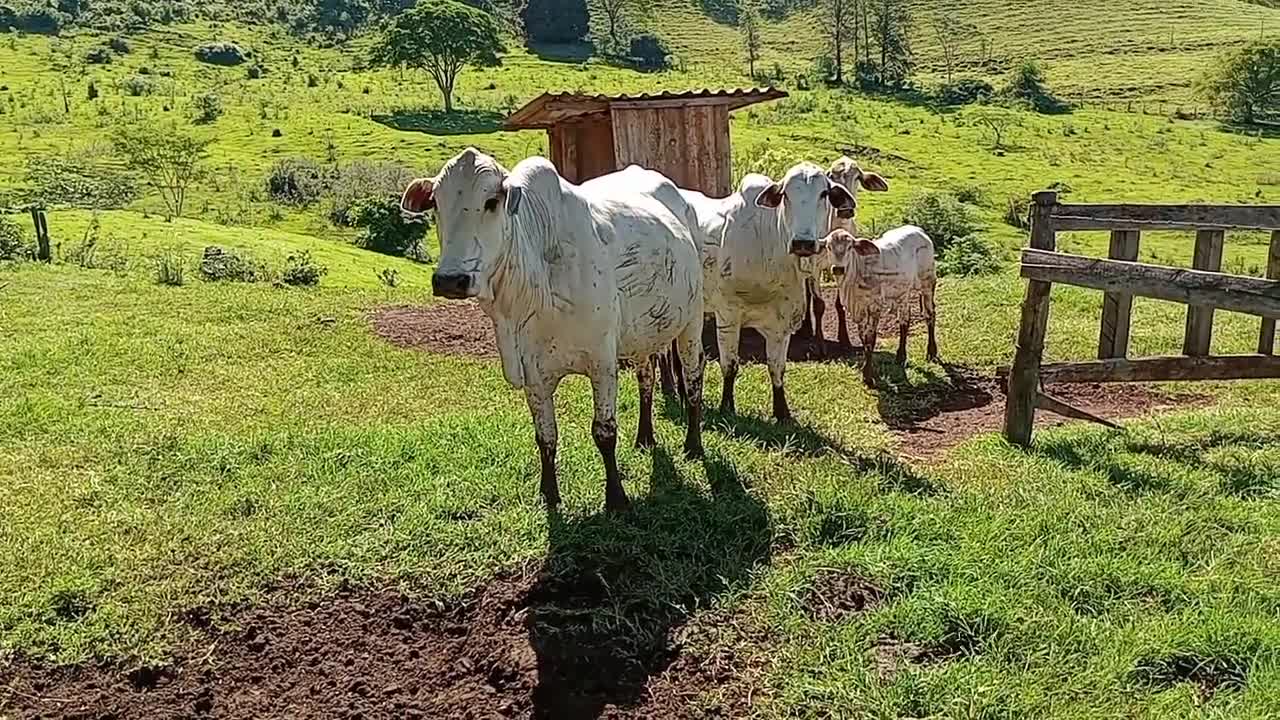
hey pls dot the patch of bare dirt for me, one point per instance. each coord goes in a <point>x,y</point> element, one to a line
<point>370,653</point>
<point>835,595</point>
<point>451,327</point>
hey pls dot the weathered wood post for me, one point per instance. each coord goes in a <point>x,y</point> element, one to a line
<point>1117,308</point>
<point>1208,256</point>
<point>1024,377</point>
<point>1267,338</point>
<point>43,251</point>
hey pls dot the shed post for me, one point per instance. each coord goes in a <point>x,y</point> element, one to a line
<point>1024,378</point>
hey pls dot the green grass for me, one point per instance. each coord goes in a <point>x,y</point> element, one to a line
<point>168,447</point>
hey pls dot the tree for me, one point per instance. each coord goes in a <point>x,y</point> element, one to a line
<point>997,121</point>
<point>1245,84</point>
<point>441,37</point>
<point>891,28</point>
<point>170,159</point>
<point>617,14</point>
<point>749,24</point>
<point>556,21</point>
<point>839,22</point>
<point>1027,85</point>
<point>951,33</point>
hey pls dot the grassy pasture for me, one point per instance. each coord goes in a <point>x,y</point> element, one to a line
<point>166,448</point>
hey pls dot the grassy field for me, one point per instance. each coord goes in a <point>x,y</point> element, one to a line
<point>165,448</point>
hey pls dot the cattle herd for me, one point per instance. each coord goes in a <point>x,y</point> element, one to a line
<point>579,279</point>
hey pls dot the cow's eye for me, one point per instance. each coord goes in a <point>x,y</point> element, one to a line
<point>491,204</point>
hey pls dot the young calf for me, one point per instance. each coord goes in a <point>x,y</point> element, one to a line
<point>876,276</point>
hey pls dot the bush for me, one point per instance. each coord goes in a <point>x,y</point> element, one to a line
<point>297,182</point>
<point>383,230</point>
<point>971,194</point>
<point>965,91</point>
<point>119,45</point>
<point>218,264</point>
<point>650,52</point>
<point>1245,83</point>
<point>98,56</point>
<point>221,53</point>
<point>1027,85</point>
<point>362,179</point>
<point>8,18</point>
<point>555,21</point>
<point>389,277</point>
<point>1017,213</point>
<point>942,216</point>
<point>40,20</point>
<point>169,269</point>
<point>137,86</point>
<point>255,72</point>
<point>208,108</point>
<point>93,90</point>
<point>14,244</point>
<point>968,256</point>
<point>301,270</point>
<point>96,252</point>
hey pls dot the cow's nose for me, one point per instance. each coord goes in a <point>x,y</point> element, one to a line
<point>838,271</point>
<point>846,213</point>
<point>804,248</point>
<point>450,285</point>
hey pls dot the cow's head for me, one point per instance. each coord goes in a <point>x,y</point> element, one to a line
<point>804,200</point>
<point>846,252</point>
<point>846,172</point>
<point>470,199</point>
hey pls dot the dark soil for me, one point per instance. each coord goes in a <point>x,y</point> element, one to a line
<point>835,596</point>
<point>450,327</point>
<point>376,654</point>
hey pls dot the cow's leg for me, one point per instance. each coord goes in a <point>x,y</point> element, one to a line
<point>644,378</point>
<point>842,324</point>
<point>677,367</point>
<point>867,328</point>
<point>604,430</point>
<point>694,364</point>
<point>806,325</point>
<point>819,309</point>
<point>542,404</point>
<point>776,345</point>
<point>931,318</point>
<point>728,331</point>
<point>666,377</point>
<point>904,327</point>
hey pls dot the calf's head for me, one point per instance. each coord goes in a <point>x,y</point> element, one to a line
<point>471,200</point>
<point>804,199</point>
<point>846,172</point>
<point>845,252</point>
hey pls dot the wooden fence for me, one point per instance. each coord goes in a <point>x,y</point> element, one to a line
<point>1203,289</point>
<point>44,251</point>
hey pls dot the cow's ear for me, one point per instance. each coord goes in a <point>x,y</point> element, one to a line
<point>865,247</point>
<point>419,197</point>
<point>840,197</point>
<point>771,197</point>
<point>514,194</point>
<point>874,183</point>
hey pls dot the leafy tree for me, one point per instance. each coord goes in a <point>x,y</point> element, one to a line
<point>555,21</point>
<point>1245,84</point>
<point>891,30</point>
<point>838,19</point>
<point>1027,85</point>
<point>169,159</point>
<point>996,120</point>
<point>617,14</point>
<point>334,18</point>
<point>951,33</point>
<point>749,24</point>
<point>441,37</point>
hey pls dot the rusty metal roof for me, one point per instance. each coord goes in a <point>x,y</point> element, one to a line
<point>550,108</point>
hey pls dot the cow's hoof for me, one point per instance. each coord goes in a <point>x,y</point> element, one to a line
<point>694,451</point>
<point>936,359</point>
<point>552,501</point>
<point>619,504</point>
<point>869,381</point>
<point>646,443</point>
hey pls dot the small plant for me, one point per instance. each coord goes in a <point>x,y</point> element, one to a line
<point>93,90</point>
<point>170,270</point>
<point>119,45</point>
<point>14,244</point>
<point>300,270</point>
<point>138,85</point>
<point>255,72</point>
<point>381,227</point>
<point>297,182</point>
<point>1016,212</point>
<point>99,56</point>
<point>312,80</point>
<point>220,264</point>
<point>965,91</point>
<point>942,216</point>
<point>389,277</point>
<point>968,256</point>
<point>208,108</point>
<point>221,53</point>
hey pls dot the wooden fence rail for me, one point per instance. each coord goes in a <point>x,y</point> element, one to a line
<point>1203,289</point>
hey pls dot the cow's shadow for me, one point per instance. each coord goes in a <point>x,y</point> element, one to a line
<point>946,389</point>
<point>614,588</point>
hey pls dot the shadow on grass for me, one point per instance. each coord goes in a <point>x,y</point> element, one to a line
<point>573,53</point>
<point>438,122</point>
<point>614,589</point>
<point>904,406</point>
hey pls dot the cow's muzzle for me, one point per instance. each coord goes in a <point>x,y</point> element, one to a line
<point>837,270</point>
<point>454,286</point>
<point>804,248</point>
<point>846,213</point>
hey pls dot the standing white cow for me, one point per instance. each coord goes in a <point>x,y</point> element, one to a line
<point>575,279</point>
<point>753,243</point>
<point>844,171</point>
<point>879,275</point>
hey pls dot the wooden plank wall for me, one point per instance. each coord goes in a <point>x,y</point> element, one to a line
<point>688,144</point>
<point>583,149</point>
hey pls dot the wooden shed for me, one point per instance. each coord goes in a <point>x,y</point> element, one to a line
<point>685,136</point>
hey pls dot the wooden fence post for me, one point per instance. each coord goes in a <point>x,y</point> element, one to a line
<point>1267,338</point>
<point>1208,256</point>
<point>1117,308</point>
<point>1024,377</point>
<point>43,252</point>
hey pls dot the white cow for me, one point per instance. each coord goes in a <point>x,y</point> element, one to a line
<point>880,275</point>
<point>753,243</point>
<point>848,173</point>
<point>575,279</point>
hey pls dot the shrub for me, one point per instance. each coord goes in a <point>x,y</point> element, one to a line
<point>968,256</point>
<point>942,216</point>
<point>363,179</point>
<point>221,53</point>
<point>389,277</point>
<point>298,182</point>
<point>1245,83</point>
<point>218,264</point>
<point>137,86</point>
<point>965,91</point>
<point>555,21</point>
<point>971,194</point>
<point>301,270</point>
<point>8,18</point>
<point>93,90</point>
<point>1027,84</point>
<point>98,56</point>
<point>208,108</point>
<point>40,20</point>
<point>650,51</point>
<point>312,80</point>
<point>255,72</point>
<point>14,244</point>
<point>383,230</point>
<point>119,45</point>
<point>169,269</point>
<point>1016,212</point>
<point>95,252</point>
